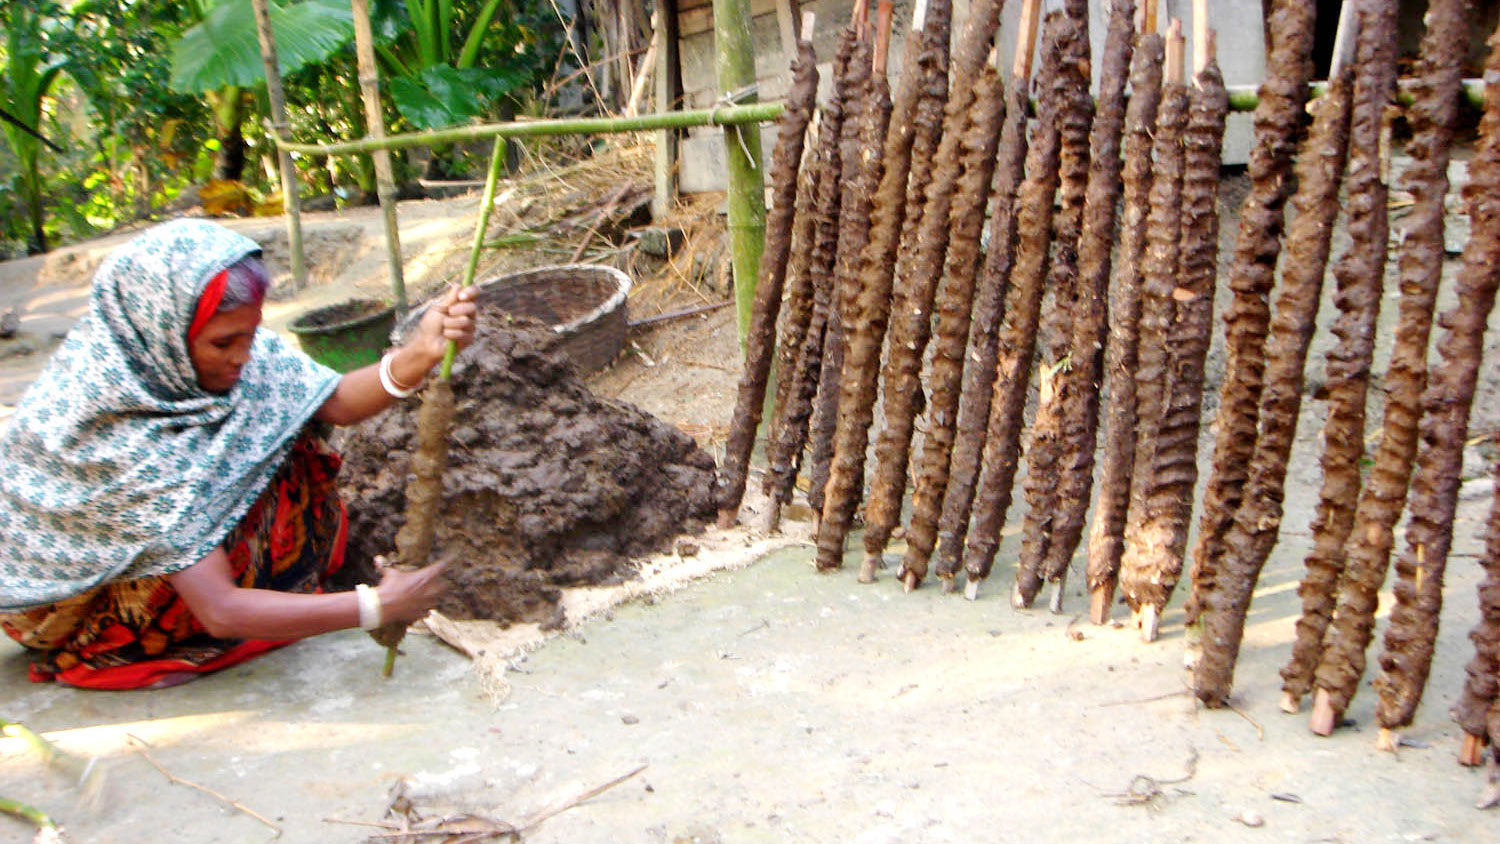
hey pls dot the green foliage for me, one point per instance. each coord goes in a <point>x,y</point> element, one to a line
<point>443,95</point>
<point>31,67</point>
<point>502,51</point>
<point>223,49</point>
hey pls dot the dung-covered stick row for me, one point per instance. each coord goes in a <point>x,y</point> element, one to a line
<point>791,417</point>
<point>860,313</point>
<point>1017,343</point>
<point>853,231</point>
<point>1075,115</point>
<point>1075,387</point>
<point>1412,632</point>
<point>992,284</point>
<point>1107,533</point>
<point>1151,557</point>
<point>1278,117</point>
<point>911,317</point>
<point>760,343</point>
<point>1256,525</point>
<point>953,312</point>
<point>1339,601</point>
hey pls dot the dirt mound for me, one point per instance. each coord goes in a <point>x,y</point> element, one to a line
<point>547,484</point>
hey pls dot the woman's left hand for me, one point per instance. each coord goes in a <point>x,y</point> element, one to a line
<point>450,318</point>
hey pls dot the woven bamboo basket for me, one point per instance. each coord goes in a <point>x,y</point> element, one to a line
<point>585,304</point>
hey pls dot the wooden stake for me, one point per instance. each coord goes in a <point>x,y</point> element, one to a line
<point>1203,37</point>
<point>1387,740</point>
<point>868,566</point>
<point>919,16</point>
<point>1150,622</point>
<point>1099,602</point>
<point>882,37</point>
<point>861,17</point>
<point>1151,7</point>
<point>1055,600</point>
<point>809,23</point>
<point>1031,18</point>
<point>1471,751</point>
<point>1176,45</point>
<point>1344,40</point>
<point>1323,718</point>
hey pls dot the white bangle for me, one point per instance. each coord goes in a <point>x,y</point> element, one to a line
<point>388,381</point>
<point>369,606</point>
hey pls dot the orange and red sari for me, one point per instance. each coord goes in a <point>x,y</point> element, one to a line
<point>136,634</point>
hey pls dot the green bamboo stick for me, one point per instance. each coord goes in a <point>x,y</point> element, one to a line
<point>26,812</point>
<point>722,116</point>
<point>735,64</point>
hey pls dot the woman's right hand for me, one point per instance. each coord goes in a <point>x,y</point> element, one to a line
<point>406,596</point>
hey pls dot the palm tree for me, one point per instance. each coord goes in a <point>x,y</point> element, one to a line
<point>27,73</point>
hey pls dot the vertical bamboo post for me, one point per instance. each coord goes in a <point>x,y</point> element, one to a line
<point>291,203</point>
<point>665,19</point>
<point>385,182</point>
<point>735,63</point>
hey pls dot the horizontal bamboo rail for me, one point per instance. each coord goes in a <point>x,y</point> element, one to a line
<point>722,116</point>
<point>1241,98</point>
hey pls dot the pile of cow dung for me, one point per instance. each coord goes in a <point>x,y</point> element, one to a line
<point>547,484</point>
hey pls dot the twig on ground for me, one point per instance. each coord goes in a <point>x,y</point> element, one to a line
<point>1260,732</point>
<point>173,778</point>
<point>1152,699</point>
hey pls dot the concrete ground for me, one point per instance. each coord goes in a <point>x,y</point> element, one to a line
<point>769,704</point>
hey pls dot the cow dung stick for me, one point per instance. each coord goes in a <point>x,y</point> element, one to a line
<point>852,231</point>
<point>1446,401</point>
<point>977,388</point>
<point>953,309</point>
<point>1256,525</point>
<point>790,427</point>
<point>1360,277</point>
<point>761,339</point>
<point>1149,557</point>
<point>864,327</point>
<point>1188,334</point>
<point>1332,634</point>
<point>1482,682</point>
<point>1107,533</point>
<point>1044,450</point>
<point>898,231</point>
<point>911,319</point>
<point>1076,387</point>
<point>424,492</point>
<point>1278,115</point>
<point>926,49</point>
<point>1016,346</point>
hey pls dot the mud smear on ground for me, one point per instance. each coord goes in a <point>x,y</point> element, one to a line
<point>547,485</point>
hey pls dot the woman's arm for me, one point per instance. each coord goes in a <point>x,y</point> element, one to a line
<point>228,611</point>
<point>360,395</point>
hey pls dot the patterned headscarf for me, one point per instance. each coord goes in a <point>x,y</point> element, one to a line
<point>117,464</point>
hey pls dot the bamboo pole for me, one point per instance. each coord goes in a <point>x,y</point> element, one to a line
<point>716,116</point>
<point>735,66</point>
<point>290,201</point>
<point>1241,98</point>
<point>665,19</point>
<point>385,183</point>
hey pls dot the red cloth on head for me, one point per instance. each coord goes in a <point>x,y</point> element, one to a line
<point>208,304</point>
